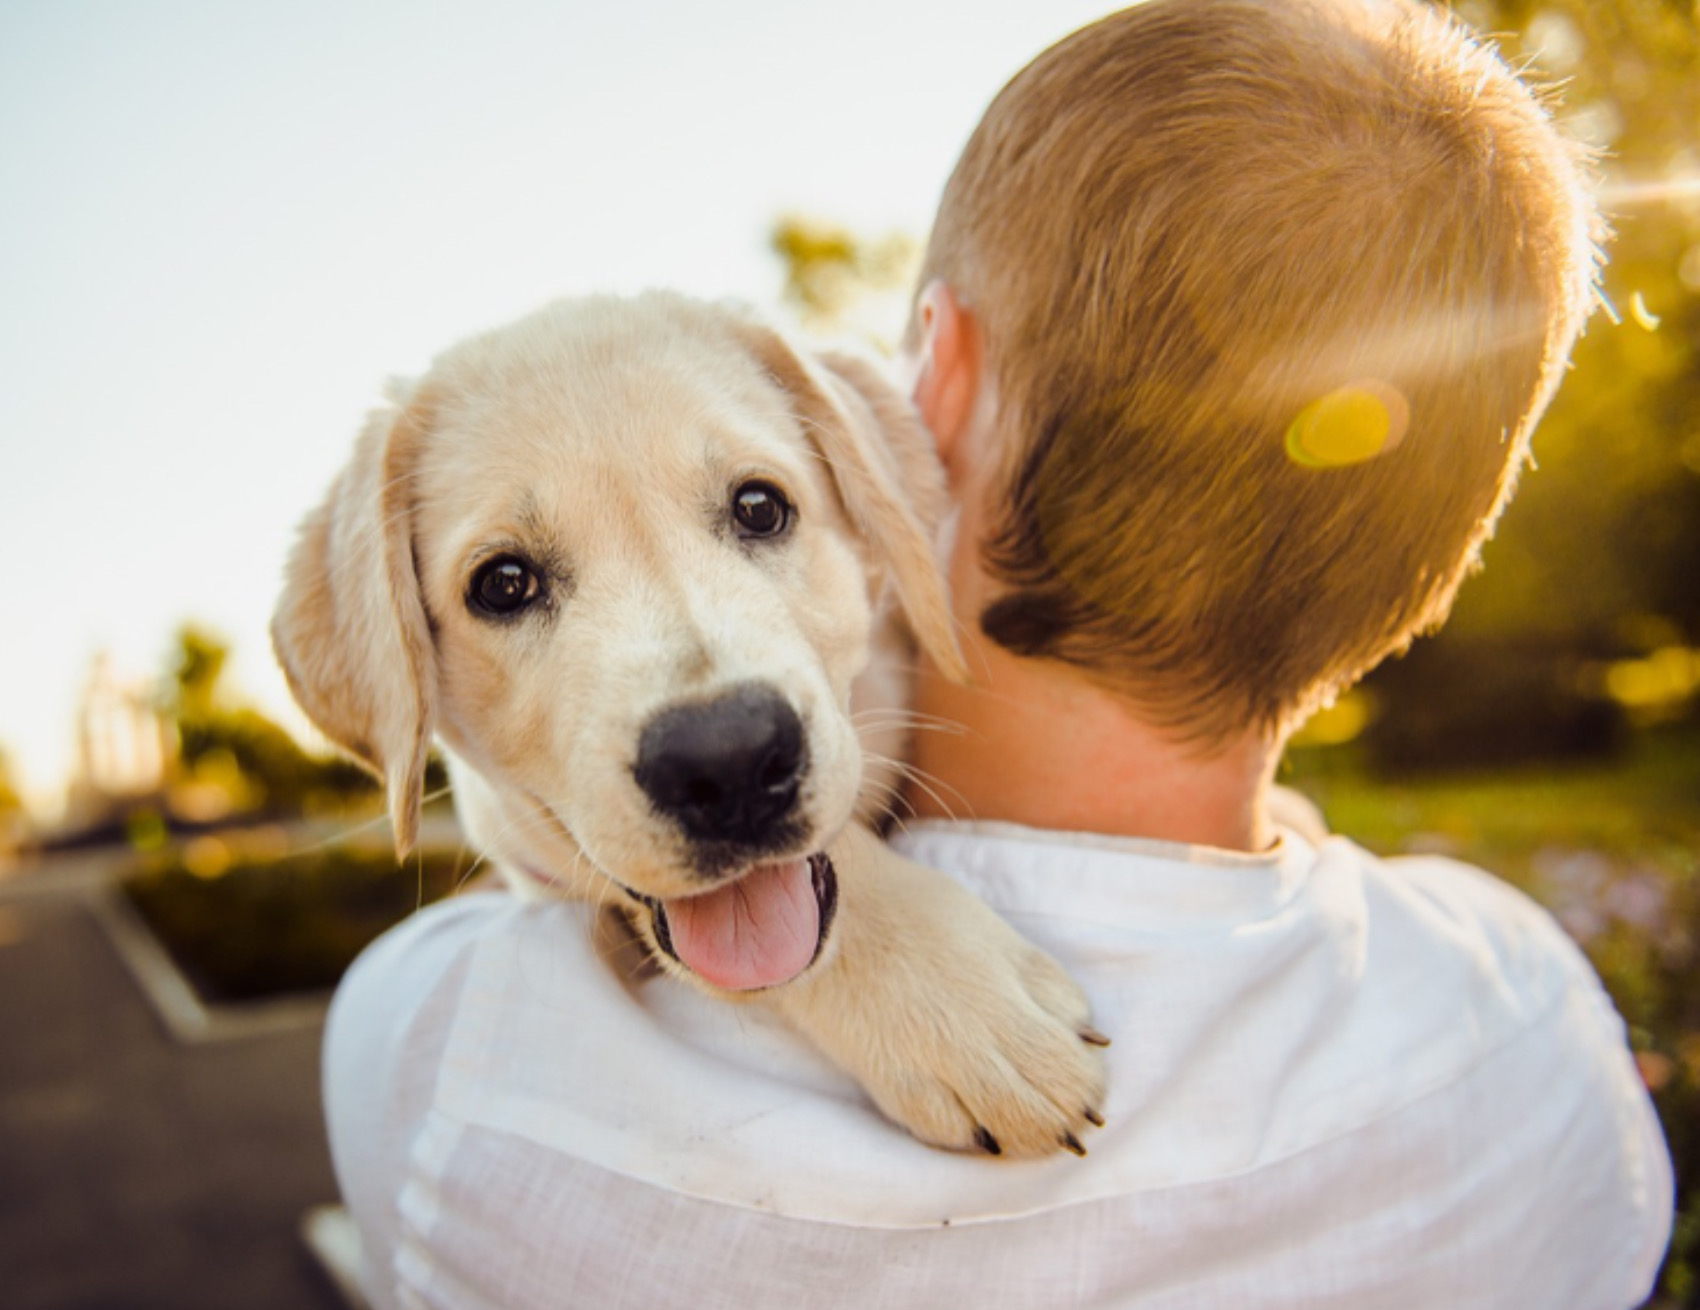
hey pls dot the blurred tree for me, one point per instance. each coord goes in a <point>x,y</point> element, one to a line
<point>1598,558</point>
<point>235,751</point>
<point>838,281</point>
<point>198,667</point>
<point>14,816</point>
<point>1602,540</point>
<point>10,801</point>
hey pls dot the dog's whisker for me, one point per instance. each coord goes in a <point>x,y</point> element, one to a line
<point>928,782</point>
<point>602,888</point>
<point>903,712</point>
<point>472,871</point>
<point>418,880</point>
<point>980,690</point>
<point>888,794</point>
<point>479,860</point>
<point>874,723</point>
<point>520,825</point>
<point>900,822</point>
<point>343,834</point>
<point>893,798</point>
<point>462,880</point>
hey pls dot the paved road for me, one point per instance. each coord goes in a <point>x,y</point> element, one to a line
<point>137,1173</point>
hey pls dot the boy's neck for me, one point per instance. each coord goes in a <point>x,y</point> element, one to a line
<point>1037,744</point>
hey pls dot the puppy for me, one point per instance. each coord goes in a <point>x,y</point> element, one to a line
<point>633,562</point>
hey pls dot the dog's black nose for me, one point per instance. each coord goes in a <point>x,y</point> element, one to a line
<point>726,770</point>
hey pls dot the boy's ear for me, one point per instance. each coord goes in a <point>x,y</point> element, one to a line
<point>947,380</point>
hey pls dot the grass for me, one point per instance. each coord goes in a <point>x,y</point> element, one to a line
<point>1641,809</point>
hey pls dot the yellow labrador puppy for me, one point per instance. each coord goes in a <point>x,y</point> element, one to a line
<point>633,562</point>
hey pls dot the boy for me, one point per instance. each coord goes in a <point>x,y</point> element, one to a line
<point>1236,319</point>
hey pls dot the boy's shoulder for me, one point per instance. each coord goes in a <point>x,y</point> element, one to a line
<point>1496,931</point>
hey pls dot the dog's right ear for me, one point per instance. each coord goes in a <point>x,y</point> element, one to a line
<point>886,471</point>
<point>350,629</point>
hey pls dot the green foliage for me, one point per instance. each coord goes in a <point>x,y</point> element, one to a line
<point>238,748</point>
<point>193,692</point>
<point>10,801</point>
<point>1598,557</point>
<point>1604,539</point>
<point>262,927</point>
<point>831,273</point>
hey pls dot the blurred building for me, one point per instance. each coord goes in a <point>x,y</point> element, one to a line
<point>126,748</point>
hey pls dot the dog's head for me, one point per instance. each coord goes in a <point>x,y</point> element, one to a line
<point>625,558</point>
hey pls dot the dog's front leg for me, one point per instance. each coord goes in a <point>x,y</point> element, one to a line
<point>961,1030</point>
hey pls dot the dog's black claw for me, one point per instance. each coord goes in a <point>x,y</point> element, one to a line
<point>1073,1143</point>
<point>988,1143</point>
<point>1094,1118</point>
<point>1092,1037</point>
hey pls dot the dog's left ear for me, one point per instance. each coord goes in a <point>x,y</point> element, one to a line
<point>350,629</point>
<point>886,470</point>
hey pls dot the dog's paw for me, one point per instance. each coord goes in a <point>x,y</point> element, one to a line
<point>992,1051</point>
<point>960,1029</point>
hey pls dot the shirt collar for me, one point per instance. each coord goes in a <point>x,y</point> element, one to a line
<point>1133,881</point>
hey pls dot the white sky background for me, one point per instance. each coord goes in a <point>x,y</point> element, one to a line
<point>223,225</point>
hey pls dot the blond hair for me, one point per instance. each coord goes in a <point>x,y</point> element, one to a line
<point>1184,228</point>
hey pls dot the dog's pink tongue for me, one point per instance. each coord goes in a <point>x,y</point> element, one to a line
<point>760,930</point>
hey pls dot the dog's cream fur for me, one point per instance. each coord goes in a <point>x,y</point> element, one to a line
<point>600,439</point>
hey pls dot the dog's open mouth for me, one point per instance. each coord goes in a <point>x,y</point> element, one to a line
<point>759,930</point>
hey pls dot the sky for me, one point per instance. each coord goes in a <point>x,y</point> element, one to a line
<point>223,226</point>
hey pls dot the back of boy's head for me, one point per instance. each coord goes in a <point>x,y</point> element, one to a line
<point>1220,251</point>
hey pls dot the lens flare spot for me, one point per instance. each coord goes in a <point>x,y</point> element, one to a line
<point>1349,425</point>
<point>1641,314</point>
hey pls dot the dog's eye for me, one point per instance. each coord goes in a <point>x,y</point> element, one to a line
<point>504,586</point>
<point>760,510</point>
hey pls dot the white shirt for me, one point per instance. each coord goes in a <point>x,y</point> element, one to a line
<point>1335,1081</point>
